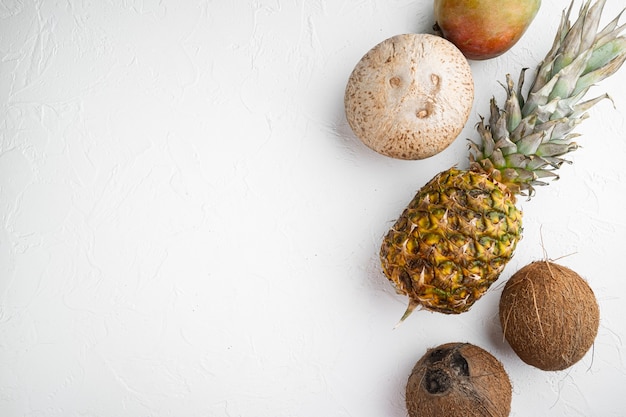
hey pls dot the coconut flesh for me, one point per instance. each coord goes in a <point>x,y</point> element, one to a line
<point>549,315</point>
<point>410,96</point>
<point>458,380</point>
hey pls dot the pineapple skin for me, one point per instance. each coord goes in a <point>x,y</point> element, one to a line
<point>456,236</point>
<point>452,241</point>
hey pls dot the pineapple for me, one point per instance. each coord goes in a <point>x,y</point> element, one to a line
<point>457,234</point>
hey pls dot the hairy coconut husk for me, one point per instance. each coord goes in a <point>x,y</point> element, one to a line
<point>549,315</point>
<point>458,380</point>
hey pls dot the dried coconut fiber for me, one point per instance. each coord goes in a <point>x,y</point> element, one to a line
<point>549,315</point>
<point>458,380</point>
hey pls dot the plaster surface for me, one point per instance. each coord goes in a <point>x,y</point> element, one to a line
<point>188,227</point>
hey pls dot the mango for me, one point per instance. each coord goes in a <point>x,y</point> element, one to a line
<point>484,29</point>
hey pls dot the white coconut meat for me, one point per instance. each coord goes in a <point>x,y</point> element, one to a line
<point>410,96</point>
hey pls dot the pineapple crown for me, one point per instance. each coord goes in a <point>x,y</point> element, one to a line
<point>524,142</point>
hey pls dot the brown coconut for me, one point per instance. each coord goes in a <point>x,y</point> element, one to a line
<point>410,96</point>
<point>458,380</point>
<point>549,315</point>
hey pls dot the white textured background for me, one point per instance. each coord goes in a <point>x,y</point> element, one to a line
<point>188,227</point>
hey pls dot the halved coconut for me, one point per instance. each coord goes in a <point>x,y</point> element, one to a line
<point>410,96</point>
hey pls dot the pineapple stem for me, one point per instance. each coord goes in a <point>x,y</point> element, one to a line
<point>523,140</point>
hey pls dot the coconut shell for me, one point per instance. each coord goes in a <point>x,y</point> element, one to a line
<point>410,96</point>
<point>458,380</point>
<point>549,315</point>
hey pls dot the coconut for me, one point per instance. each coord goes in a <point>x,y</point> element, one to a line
<point>458,380</point>
<point>549,315</point>
<point>409,96</point>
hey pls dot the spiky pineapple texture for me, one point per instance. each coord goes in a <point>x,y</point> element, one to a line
<point>455,237</point>
<point>524,142</point>
<point>452,241</point>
